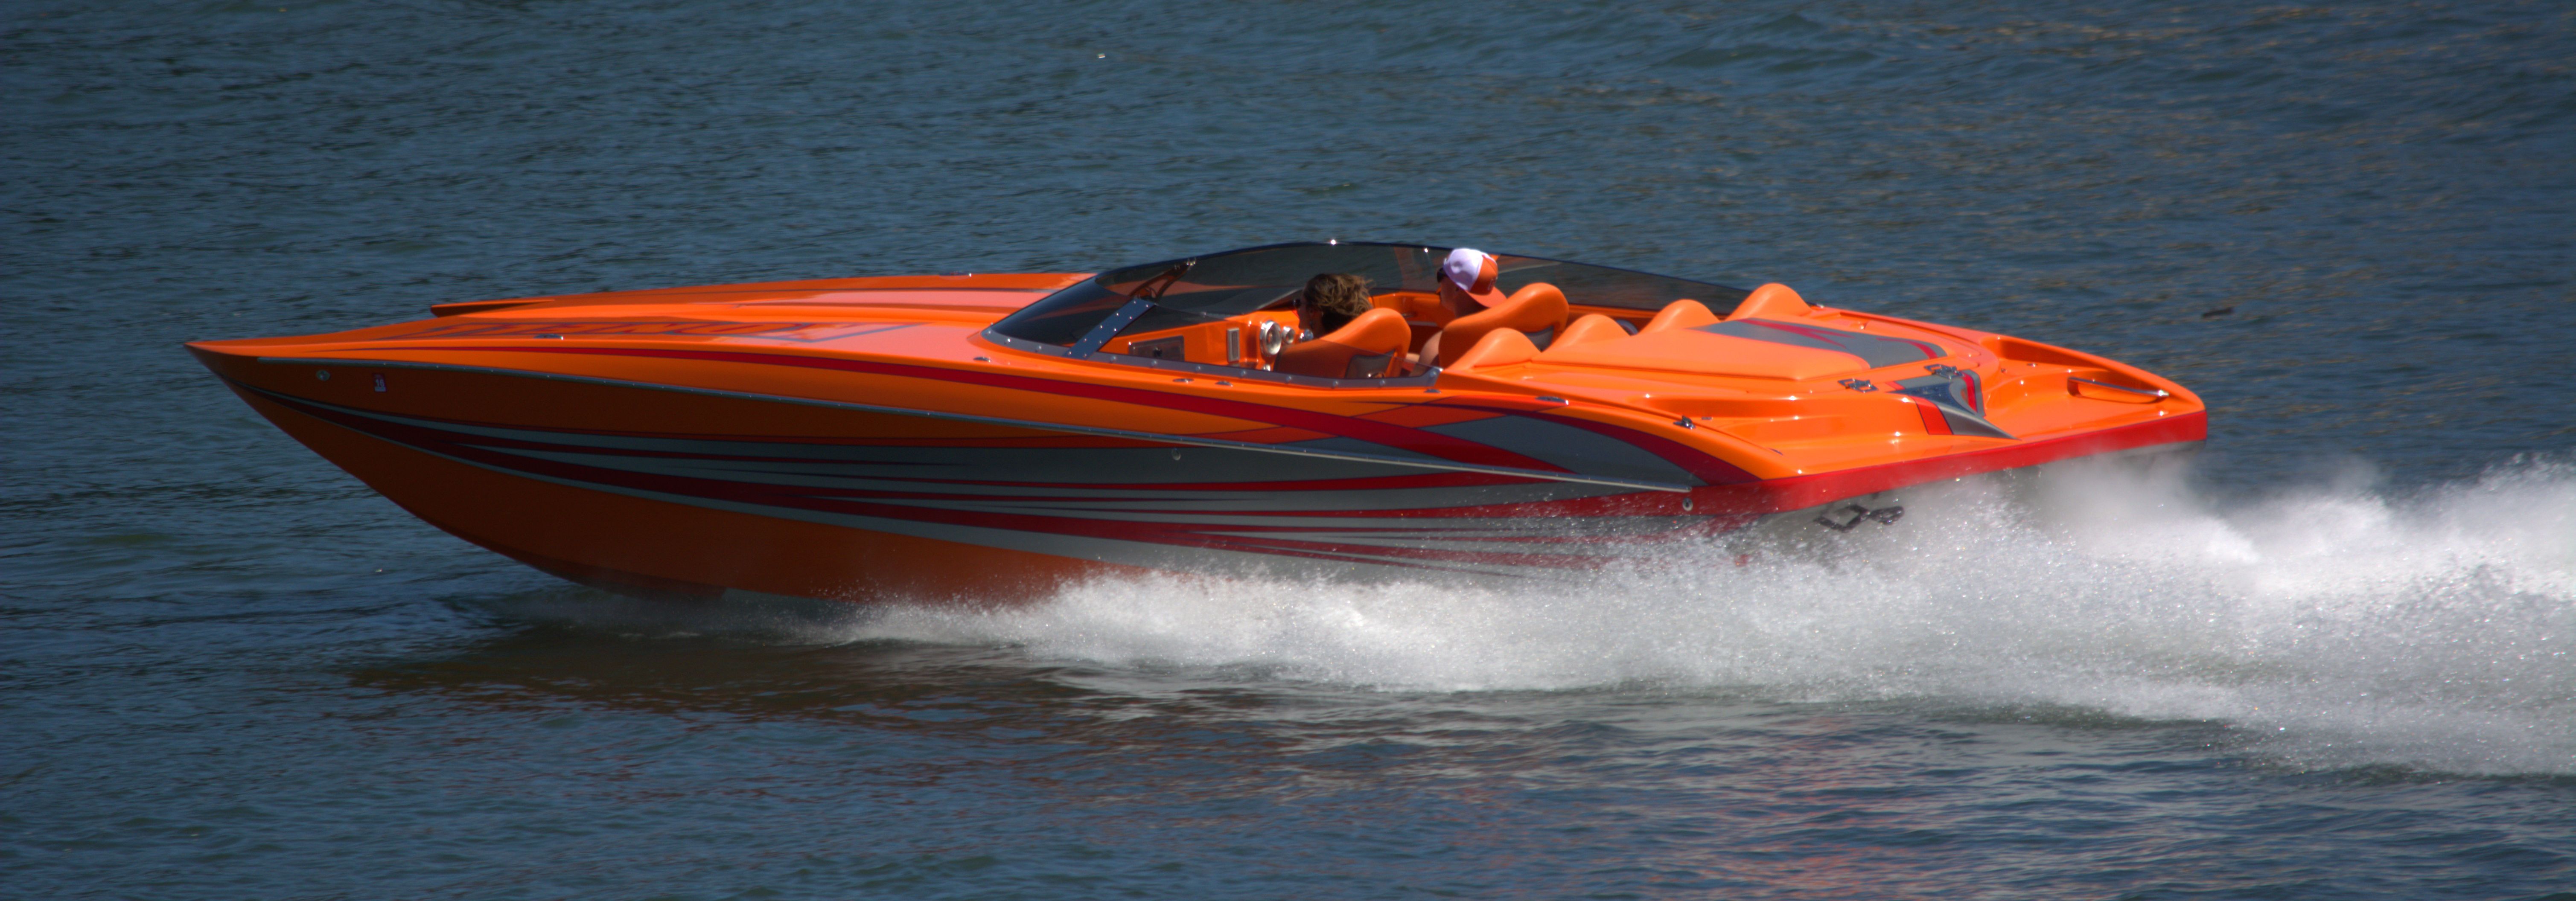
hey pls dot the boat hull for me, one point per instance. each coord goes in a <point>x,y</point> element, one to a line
<point>873,493</point>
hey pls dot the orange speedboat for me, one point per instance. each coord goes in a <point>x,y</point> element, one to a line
<point>986,437</point>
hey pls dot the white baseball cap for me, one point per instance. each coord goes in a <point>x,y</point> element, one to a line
<point>1470,269</point>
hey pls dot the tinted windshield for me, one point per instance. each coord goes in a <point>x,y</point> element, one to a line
<point>1174,293</point>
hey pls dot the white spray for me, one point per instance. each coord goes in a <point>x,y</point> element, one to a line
<point>2338,626</point>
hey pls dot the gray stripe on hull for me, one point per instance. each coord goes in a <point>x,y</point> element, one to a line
<point>1147,555</point>
<point>1214,500</point>
<point>1144,554</point>
<point>1074,466</point>
<point>1872,349</point>
<point>1282,509</point>
<point>1578,449</point>
<point>1411,460</point>
<point>1017,473</point>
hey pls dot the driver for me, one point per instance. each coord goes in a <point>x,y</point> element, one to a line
<point>1466,288</point>
<point>1330,301</point>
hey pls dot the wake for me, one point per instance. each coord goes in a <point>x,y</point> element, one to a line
<point>2334,625</point>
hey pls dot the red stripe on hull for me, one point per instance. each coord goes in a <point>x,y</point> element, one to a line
<point>1433,443</point>
<point>652,543</point>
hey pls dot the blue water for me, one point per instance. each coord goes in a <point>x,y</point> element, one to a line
<point>2331,661</point>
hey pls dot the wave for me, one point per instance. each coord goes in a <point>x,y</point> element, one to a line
<point>2329,625</point>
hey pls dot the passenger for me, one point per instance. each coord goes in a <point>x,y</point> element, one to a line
<point>1466,288</point>
<point>1330,301</point>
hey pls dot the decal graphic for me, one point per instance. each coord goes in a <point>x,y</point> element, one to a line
<point>1874,350</point>
<point>1956,407</point>
<point>1676,460</point>
<point>1133,505</point>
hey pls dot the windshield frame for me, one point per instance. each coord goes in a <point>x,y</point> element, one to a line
<point>1213,370</point>
<point>1077,300</point>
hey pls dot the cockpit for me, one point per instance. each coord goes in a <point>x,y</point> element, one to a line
<point>1233,314</point>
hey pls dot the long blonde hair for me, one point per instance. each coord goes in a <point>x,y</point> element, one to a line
<point>1338,298</point>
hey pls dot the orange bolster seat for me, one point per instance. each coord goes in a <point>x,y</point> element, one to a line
<point>1593,327</point>
<point>1680,314</point>
<point>1371,346</point>
<point>1500,347</point>
<point>1771,301</point>
<point>1537,310</point>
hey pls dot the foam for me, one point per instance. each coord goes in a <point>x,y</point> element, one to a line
<point>2331,625</point>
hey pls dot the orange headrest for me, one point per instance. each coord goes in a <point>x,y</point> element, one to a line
<point>1772,301</point>
<point>1679,314</point>
<point>1373,331</point>
<point>1500,347</point>
<point>1536,307</point>
<point>1594,327</point>
<point>1373,342</point>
